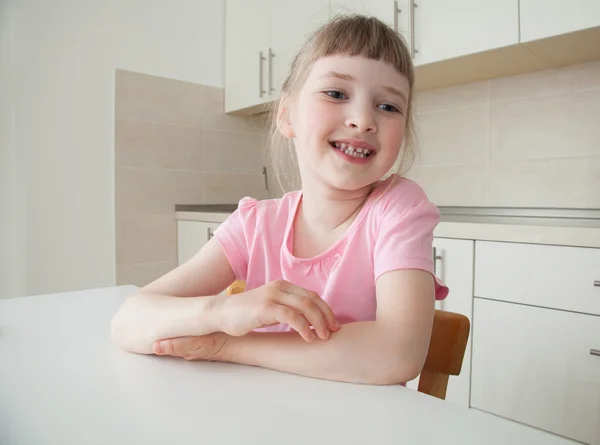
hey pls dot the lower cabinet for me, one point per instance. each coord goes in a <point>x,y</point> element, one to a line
<point>191,237</point>
<point>454,266</point>
<point>538,366</point>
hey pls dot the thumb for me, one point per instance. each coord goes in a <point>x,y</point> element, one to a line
<point>163,347</point>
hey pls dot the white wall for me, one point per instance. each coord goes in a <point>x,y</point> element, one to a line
<point>7,270</point>
<point>65,56</point>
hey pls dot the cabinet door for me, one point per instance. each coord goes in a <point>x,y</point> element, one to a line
<point>291,22</point>
<point>454,267</point>
<point>393,13</point>
<point>446,29</point>
<point>246,53</point>
<point>546,18</point>
<point>535,366</point>
<point>191,237</point>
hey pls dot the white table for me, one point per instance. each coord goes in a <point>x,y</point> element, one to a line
<point>62,381</point>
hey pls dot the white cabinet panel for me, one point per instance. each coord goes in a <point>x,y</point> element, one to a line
<point>447,29</point>
<point>534,365</point>
<point>291,22</point>
<point>246,39</point>
<point>191,237</point>
<point>546,18</point>
<point>455,268</point>
<point>551,276</point>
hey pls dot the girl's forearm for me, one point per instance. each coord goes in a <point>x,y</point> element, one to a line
<point>147,317</point>
<point>361,352</point>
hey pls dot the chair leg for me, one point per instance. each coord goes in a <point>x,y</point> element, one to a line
<point>433,383</point>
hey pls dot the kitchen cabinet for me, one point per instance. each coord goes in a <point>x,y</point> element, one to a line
<point>261,39</point>
<point>536,366</point>
<point>191,237</point>
<point>291,22</point>
<point>558,277</point>
<point>394,13</point>
<point>547,18</point>
<point>441,29</point>
<point>445,30</point>
<point>246,53</point>
<point>454,266</point>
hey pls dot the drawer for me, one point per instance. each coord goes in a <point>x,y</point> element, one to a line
<point>537,366</point>
<point>556,277</point>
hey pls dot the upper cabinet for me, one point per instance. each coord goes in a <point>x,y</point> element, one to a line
<point>246,53</point>
<point>291,23</point>
<point>451,42</point>
<point>445,30</point>
<point>385,10</point>
<point>261,39</point>
<point>547,18</point>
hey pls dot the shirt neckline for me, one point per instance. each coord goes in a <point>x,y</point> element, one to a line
<point>288,238</point>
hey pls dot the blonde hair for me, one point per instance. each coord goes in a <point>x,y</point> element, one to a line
<point>346,35</point>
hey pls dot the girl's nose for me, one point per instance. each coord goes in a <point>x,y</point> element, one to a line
<point>362,120</point>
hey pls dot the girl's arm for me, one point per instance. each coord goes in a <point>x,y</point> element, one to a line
<point>390,350</point>
<point>157,311</point>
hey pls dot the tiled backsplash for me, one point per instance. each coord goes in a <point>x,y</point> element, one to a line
<point>174,145</point>
<point>531,140</point>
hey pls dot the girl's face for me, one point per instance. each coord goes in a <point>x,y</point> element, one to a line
<point>348,121</point>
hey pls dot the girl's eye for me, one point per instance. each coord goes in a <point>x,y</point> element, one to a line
<point>336,94</point>
<point>389,108</point>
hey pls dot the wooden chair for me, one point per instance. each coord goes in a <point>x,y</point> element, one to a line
<point>446,352</point>
<point>446,348</point>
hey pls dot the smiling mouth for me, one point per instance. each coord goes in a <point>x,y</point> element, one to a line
<point>352,151</point>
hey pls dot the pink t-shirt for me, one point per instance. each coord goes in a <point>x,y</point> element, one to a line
<point>393,230</point>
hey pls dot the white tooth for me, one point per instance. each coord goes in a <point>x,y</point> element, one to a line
<point>351,148</point>
<point>360,150</point>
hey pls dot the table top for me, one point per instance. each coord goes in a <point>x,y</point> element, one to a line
<point>63,381</point>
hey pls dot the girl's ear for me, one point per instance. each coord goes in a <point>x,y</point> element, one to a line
<point>284,122</point>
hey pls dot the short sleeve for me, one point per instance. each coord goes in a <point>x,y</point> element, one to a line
<point>236,234</point>
<point>405,241</point>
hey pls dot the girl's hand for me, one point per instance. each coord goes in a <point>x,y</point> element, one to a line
<point>277,302</point>
<point>204,347</point>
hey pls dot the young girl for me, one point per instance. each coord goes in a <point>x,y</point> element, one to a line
<point>339,281</point>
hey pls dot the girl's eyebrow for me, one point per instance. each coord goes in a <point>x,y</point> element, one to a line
<point>348,77</point>
<point>396,92</point>
<point>339,75</point>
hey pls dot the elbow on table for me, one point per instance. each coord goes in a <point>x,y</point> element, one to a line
<point>396,368</point>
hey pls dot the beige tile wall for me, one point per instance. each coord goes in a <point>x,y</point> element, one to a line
<point>531,140</point>
<point>174,145</point>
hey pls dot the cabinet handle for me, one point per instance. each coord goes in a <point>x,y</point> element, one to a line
<point>271,55</point>
<point>209,233</point>
<point>396,12</point>
<point>436,257</point>
<point>411,19</point>
<point>260,74</point>
<point>595,352</point>
<point>597,283</point>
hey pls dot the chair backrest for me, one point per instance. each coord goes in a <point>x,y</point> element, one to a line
<point>446,352</point>
<point>446,348</point>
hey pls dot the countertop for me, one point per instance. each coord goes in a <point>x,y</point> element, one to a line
<point>568,227</point>
<point>62,381</point>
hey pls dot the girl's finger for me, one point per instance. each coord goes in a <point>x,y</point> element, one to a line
<point>287,315</point>
<point>307,307</point>
<point>318,301</point>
